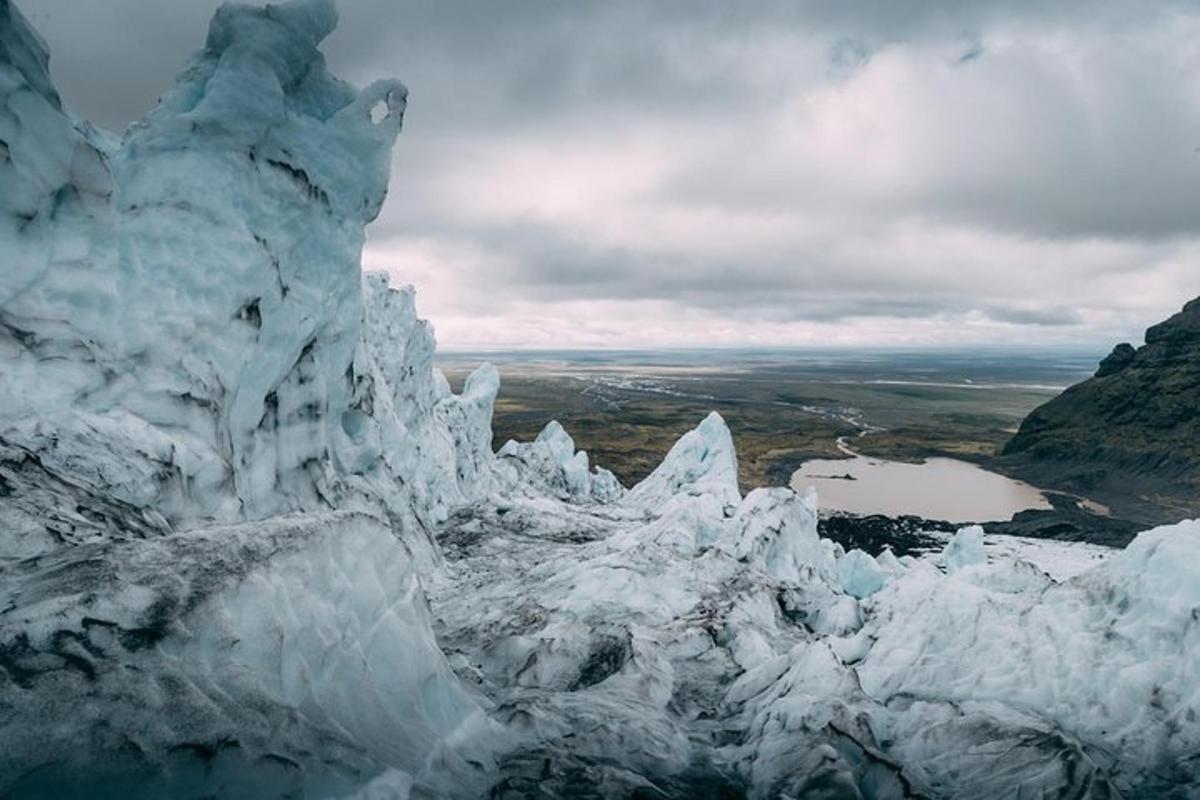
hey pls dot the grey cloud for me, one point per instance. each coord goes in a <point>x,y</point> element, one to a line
<point>1055,316</point>
<point>973,51</point>
<point>544,266</point>
<point>113,57</point>
<point>1107,153</point>
<point>923,19</point>
<point>111,60</point>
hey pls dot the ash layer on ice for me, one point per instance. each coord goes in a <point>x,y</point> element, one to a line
<point>251,544</point>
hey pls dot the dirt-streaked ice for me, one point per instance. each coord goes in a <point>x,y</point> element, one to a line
<point>251,544</point>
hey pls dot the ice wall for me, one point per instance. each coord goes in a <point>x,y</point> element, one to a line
<point>182,316</point>
<point>222,449</point>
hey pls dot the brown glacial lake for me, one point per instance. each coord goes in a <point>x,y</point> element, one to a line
<point>940,488</point>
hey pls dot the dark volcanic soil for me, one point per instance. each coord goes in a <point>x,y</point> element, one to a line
<point>873,534</point>
<point>1068,521</point>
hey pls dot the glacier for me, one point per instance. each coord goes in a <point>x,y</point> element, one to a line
<point>252,544</point>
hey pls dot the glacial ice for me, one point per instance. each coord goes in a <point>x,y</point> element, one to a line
<point>964,549</point>
<point>702,463</point>
<point>222,450</point>
<point>296,650</point>
<point>187,332</point>
<point>252,545</point>
<point>776,531</point>
<point>551,465</point>
<point>859,574</point>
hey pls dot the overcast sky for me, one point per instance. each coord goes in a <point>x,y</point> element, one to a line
<point>786,173</point>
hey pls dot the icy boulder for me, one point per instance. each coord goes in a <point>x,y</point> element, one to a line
<point>964,549</point>
<point>550,464</point>
<point>693,493</point>
<point>860,575</point>
<point>1156,573</point>
<point>889,563</point>
<point>702,463</point>
<point>182,315</point>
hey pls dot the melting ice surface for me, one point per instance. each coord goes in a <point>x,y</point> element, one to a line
<point>938,488</point>
<point>252,546</point>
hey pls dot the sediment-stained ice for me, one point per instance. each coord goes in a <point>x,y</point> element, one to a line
<point>182,319</point>
<point>222,450</point>
<point>551,465</point>
<point>702,462</point>
<point>251,544</point>
<point>291,655</point>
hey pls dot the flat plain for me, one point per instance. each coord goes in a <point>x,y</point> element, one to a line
<point>626,408</point>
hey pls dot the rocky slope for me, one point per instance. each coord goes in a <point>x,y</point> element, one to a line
<point>251,545</point>
<point>1130,435</point>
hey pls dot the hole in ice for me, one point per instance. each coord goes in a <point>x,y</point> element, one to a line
<point>251,313</point>
<point>379,112</point>
<point>353,423</point>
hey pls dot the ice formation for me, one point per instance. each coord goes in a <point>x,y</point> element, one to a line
<point>222,451</point>
<point>291,655</point>
<point>964,549</point>
<point>550,464</point>
<point>251,544</point>
<point>702,463</point>
<point>185,322</point>
<point>860,575</point>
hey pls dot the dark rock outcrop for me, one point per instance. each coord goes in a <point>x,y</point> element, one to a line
<point>1128,437</point>
<point>1120,358</point>
<point>1067,521</point>
<point>874,533</point>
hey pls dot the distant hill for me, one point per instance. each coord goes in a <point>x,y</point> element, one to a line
<point>1129,436</point>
